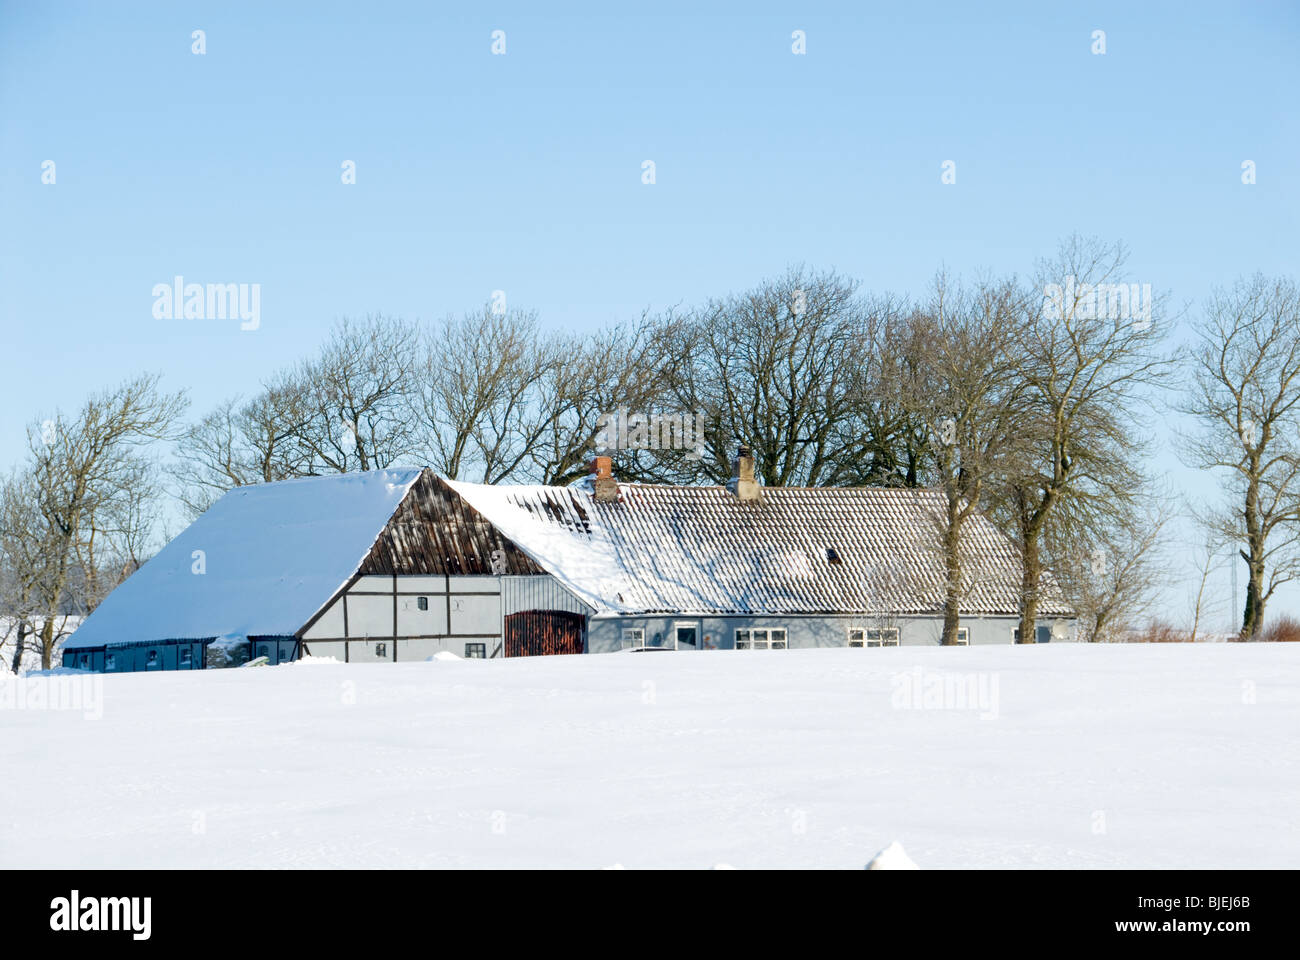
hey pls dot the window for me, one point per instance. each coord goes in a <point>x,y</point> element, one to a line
<point>963,636</point>
<point>185,654</point>
<point>110,662</point>
<point>474,651</point>
<point>1042,634</point>
<point>633,637</point>
<point>381,649</point>
<point>422,603</point>
<point>153,657</point>
<point>687,635</point>
<point>761,638</point>
<point>860,637</point>
<point>263,650</point>
<point>887,637</point>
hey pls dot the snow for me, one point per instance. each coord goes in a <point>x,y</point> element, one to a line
<point>1125,755</point>
<point>261,561</point>
<point>893,857</point>
<point>585,561</point>
<point>310,661</point>
<point>698,550</point>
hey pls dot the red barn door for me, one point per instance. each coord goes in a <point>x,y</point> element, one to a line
<point>538,633</point>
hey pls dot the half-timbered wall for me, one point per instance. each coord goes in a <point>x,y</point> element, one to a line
<point>413,617</point>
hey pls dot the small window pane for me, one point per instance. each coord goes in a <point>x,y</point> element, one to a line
<point>476,651</point>
<point>422,603</point>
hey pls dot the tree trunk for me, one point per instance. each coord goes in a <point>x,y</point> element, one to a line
<point>952,561</point>
<point>18,648</point>
<point>1031,577</point>
<point>1252,619</point>
<point>47,643</point>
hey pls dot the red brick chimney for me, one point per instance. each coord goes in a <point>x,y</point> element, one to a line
<point>603,482</point>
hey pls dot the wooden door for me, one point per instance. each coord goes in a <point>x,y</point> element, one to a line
<point>539,633</point>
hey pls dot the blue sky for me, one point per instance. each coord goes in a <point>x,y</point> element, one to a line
<point>522,172</point>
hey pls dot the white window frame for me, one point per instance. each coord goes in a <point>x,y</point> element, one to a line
<point>963,636</point>
<point>884,637</point>
<point>773,638</point>
<point>632,638</point>
<point>860,640</point>
<point>688,625</point>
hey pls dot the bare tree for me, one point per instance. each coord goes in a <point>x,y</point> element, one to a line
<point>91,483</point>
<point>478,401</point>
<point>1088,355</point>
<point>1113,570</point>
<point>782,368</point>
<point>1203,562</point>
<point>500,400</point>
<point>27,548</point>
<point>965,388</point>
<point>595,375</point>
<point>244,442</point>
<point>357,396</point>
<point>1245,393</point>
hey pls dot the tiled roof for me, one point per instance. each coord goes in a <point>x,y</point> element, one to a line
<point>700,550</point>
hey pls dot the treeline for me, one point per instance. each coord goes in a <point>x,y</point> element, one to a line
<point>1034,400</point>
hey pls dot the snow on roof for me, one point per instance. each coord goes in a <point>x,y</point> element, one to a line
<point>700,550</point>
<point>271,556</point>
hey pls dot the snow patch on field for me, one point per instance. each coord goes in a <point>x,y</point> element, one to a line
<point>1097,756</point>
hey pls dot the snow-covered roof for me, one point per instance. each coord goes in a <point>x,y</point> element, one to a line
<point>802,550</point>
<point>271,556</point>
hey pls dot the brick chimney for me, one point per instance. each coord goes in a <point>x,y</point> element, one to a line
<point>602,480</point>
<point>742,484</point>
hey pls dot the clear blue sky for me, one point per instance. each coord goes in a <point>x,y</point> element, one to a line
<point>522,172</point>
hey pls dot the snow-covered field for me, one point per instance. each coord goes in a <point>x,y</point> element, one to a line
<point>1070,756</point>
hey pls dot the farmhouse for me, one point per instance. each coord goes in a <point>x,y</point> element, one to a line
<point>401,564</point>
